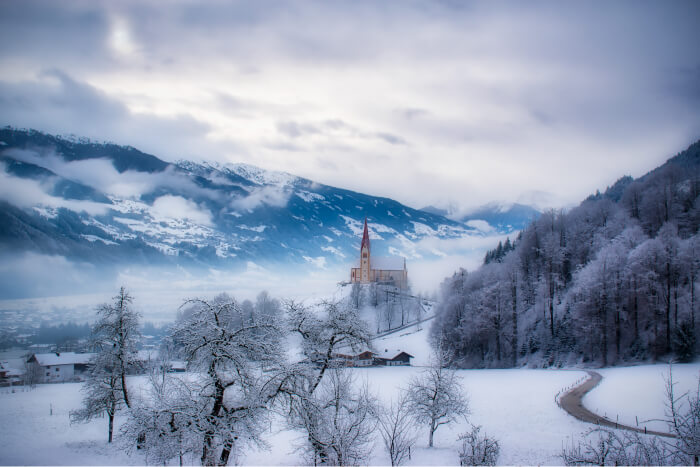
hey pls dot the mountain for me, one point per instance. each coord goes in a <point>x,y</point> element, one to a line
<point>499,217</point>
<point>104,204</point>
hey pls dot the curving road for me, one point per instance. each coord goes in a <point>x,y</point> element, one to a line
<point>572,402</point>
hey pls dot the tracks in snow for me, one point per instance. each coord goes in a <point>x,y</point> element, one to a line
<point>572,402</point>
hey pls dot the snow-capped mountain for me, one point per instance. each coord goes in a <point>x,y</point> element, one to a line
<point>106,204</point>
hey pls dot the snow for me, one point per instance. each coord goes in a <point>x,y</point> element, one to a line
<point>318,261</point>
<point>49,213</point>
<point>260,176</point>
<point>95,238</point>
<point>260,228</point>
<point>309,197</point>
<point>62,358</point>
<point>515,406</point>
<point>641,390</point>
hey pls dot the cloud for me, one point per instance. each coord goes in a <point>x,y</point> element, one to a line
<point>27,193</point>
<point>179,208</point>
<point>495,99</point>
<point>35,275</point>
<point>101,175</point>
<point>268,195</point>
<point>54,102</point>
<point>480,225</point>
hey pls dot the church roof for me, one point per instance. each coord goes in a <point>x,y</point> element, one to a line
<point>393,263</point>
<point>390,263</point>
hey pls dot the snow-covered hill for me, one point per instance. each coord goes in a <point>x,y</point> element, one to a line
<point>107,204</point>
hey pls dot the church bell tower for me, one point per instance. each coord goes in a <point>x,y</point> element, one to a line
<point>365,256</point>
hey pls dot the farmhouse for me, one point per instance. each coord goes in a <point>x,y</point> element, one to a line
<point>400,359</point>
<point>389,270</point>
<point>369,358</point>
<point>57,367</point>
<point>8,375</point>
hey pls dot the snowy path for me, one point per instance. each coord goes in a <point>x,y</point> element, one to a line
<point>572,402</point>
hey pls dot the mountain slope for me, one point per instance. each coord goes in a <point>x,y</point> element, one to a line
<point>613,280</point>
<point>107,204</point>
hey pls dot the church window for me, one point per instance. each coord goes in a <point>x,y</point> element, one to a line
<point>364,255</point>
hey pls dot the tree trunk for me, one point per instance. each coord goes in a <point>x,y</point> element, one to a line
<point>432,432</point>
<point>226,451</point>
<point>668,306</point>
<point>551,305</point>
<point>111,426</point>
<point>126,396</point>
<point>208,448</point>
<point>514,298</point>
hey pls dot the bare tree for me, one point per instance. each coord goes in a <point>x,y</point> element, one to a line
<point>32,372</point>
<point>115,337</point>
<point>339,421</point>
<point>478,449</point>
<point>164,424</point>
<point>436,396</point>
<point>396,428</point>
<point>683,416</point>
<point>608,447</point>
<point>102,394</point>
<point>230,350</point>
<point>313,407</point>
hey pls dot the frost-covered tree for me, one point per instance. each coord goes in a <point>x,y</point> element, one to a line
<point>436,396</point>
<point>609,281</point>
<point>164,424</point>
<point>339,421</point>
<point>115,336</point>
<point>609,447</point>
<point>311,406</point>
<point>396,427</point>
<point>478,449</point>
<point>230,352</point>
<point>683,418</point>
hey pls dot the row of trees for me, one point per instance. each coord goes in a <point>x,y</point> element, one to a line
<point>610,281</point>
<point>241,375</point>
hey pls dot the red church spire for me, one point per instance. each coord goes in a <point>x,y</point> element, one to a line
<point>365,237</point>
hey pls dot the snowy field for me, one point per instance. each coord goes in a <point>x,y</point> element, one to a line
<point>641,391</point>
<point>515,406</point>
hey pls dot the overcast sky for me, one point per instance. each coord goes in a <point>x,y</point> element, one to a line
<point>424,102</point>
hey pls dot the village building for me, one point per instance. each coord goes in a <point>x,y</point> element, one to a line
<point>9,376</point>
<point>387,270</point>
<point>369,358</point>
<point>58,367</point>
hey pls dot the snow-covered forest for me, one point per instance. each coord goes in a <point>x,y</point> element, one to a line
<point>610,281</point>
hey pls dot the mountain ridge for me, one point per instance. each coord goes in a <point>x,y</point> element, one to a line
<point>103,203</point>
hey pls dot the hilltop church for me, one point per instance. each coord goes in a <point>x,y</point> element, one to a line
<point>389,270</point>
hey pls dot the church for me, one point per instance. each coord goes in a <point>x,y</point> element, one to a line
<point>388,270</point>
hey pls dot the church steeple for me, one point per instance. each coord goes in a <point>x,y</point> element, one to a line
<point>365,238</point>
<point>365,268</point>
